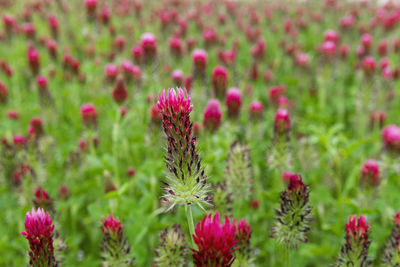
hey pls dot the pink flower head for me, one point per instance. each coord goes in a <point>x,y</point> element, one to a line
<point>366,41</point>
<point>233,102</point>
<point>177,77</point>
<point>357,230</point>
<point>111,226</point>
<point>89,114</point>
<point>19,140</point>
<point>295,183</point>
<point>174,103</point>
<point>243,235</point>
<point>91,6</point>
<point>53,23</point>
<point>275,92</point>
<point>209,36</point>
<point>383,48</point>
<point>175,46</point>
<point>137,53</point>
<point>120,93</point>
<point>256,109</point>
<point>13,114</point>
<point>219,80</point>
<point>9,22</point>
<point>384,63</point>
<point>344,50</point>
<point>155,114</point>
<point>29,30</point>
<point>39,233</point>
<point>37,126</point>
<point>105,15</point>
<point>199,57</point>
<point>111,72</point>
<point>396,219</point>
<point>282,122</point>
<point>149,46</point>
<point>288,176</point>
<point>368,65</point>
<point>328,49</point>
<point>347,22</point>
<point>331,35</point>
<point>42,84</point>
<point>215,242</point>
<point>391,137</point>
<point>370,172</point>
<point>302,59</point>
<point>3,93</point>
<point>212,115</point>
<point>33,60</point>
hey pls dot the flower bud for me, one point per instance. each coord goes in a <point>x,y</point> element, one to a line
<point>282,122</point>
<point>89,115</point>
<point>120,93</point>
<point>212,115</point>
<point>219,81</point>
<point>3,93</point>
<point>256,109</point>
<point>199,58</point>
<point>370,172</point>
<point>233,102</point>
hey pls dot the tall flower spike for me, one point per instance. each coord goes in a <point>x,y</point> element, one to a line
<point>39,233</point>
<point>216,242</point>
<point>355,251</point>
<point>116,250</point>
<point>173,249</point>
<point>186,180</point>
<point>294,214</point>
<point>238,172</point>
<point>391,251</point>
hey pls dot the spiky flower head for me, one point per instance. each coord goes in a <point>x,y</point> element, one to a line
<point>173,248</point>
<point>355,250</point>
<point>39,233</point>
<point>238,172</point>
<point>186,180</point>
<point>215,242</point>
<point>294,214</point>
<point>243,236</point>
<point>43,200</point>
<point>391,250</point>
<point>116,250</point>
<point>370,172</point>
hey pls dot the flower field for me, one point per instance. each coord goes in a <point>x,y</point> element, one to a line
<point>199,133</point>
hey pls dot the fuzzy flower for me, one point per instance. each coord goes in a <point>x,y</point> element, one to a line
<point>294,214</point>
<point>120,93</point>
<point>368,65</point>
<point>199,58</point>
<point>219,81</point>
<point>173,248</point>
<point>212,115</point>
<point>256,109</point>
<point>391,137</point>
<point>282,122</point>
<point>39,232</point>
<point>215,242</point>
<point>186,180</point>
<point>116,250</point>
<point>177,77</point>
<point>355,250</point>
<point>370,172</point>
<point>43,200</point>
<point>149,46</point>
<point>3,93</point>
<point>243,236</point>
<point>33,60</point>
<point>238,172</point>
<point>391,250</point>
<point>233,102</point>
<point>89,115</point>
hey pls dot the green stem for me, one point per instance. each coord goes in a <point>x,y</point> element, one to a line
<point>287,256</point>
<point>189,217</point>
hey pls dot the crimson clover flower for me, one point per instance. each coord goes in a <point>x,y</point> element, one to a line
<point>186,180</point>
<point>216,242</point>
<point>39,233</point>
<point>116,250</point>
<point>294,214</point>
<point>391,250</point>
<point>355,250</point>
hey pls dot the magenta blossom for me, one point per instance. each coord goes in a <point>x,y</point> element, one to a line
<point>215,242</point>
<point>212,115</point>
<point>39,232</point>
